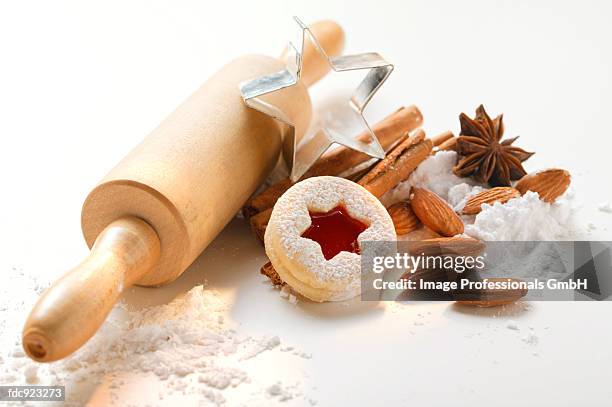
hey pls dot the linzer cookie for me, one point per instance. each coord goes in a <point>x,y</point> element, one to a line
<point>314,233</point>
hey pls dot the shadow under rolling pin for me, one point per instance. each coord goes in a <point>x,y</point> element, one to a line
<point>161,206</point>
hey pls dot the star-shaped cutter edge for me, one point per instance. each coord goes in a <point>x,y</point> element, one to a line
<point>304,155</point>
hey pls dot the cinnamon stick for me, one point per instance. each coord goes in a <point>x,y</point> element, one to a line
<point>398,164</point>
<point>259,222</point>
<point>388,131</point>
<point>450,144</point>
<point>268,271</point>
<point>266,199</point>
<point>442,137</point>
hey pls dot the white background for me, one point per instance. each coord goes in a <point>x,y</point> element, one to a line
<point>81,83</point>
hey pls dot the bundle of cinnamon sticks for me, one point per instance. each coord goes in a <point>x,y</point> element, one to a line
<point>400,136</point>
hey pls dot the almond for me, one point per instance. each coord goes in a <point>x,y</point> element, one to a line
<point>490,196</point>
<point>435,213</point>
<point>404,219</point>
<point>492,297</point>
<point>549,184</point>
<point>456,245</point>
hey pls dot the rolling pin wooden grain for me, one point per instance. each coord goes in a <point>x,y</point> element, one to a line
<point>161,206</point>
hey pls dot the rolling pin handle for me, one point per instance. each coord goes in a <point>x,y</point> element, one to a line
<point>71,310</point>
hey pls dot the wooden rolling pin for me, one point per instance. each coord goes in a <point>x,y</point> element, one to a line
<point>159,208</point>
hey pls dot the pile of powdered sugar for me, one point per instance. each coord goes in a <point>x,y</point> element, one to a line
<point>188,345</point>
<point>435,174</point>
<point>523,218</point>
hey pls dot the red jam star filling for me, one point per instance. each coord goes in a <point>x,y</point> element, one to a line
<point>336,231</point>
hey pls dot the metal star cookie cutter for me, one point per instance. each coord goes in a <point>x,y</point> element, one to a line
<point>303,153</point>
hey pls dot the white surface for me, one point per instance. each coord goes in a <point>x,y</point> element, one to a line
<point>81,83</point>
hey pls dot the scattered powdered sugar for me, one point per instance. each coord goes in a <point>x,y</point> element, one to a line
<point>278,391</point>
<point>512,325</point>
<point>187,345</point>
<point>222,378</point>
<point>296,352</point>
<point>288,294</point>
<point>285,292</point>
<point>531,339</point>
<point>262,345</point>
<point>605,207</point>
<point>31,374</point>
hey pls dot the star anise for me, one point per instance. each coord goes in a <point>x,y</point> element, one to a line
<point>485,157</point>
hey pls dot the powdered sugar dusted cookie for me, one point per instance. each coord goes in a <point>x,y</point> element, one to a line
<point>314,232</point>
